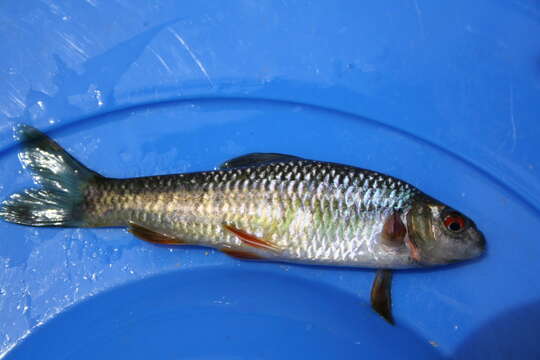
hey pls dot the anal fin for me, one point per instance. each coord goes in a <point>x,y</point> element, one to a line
<point>152,236</point>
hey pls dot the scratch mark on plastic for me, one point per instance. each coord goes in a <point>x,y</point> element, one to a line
<point>72,43</point>
<point>17,101</point>
<point>165,65</point>
<point>419,16</point>
<point>458,305</point>
<point>99,97</point>
<point>192,54</point>
<point>512,119</point>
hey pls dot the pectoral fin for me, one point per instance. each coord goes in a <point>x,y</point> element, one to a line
<point>152,236</point>
<point>251,240</point>
<point>381,294</point>
<point>394,231</point>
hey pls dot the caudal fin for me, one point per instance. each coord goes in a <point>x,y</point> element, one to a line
<point>63,179</point>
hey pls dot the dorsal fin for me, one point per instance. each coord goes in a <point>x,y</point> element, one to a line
<point>256,159</point>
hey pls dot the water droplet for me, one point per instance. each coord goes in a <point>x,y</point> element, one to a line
<point>51,121</point>
<point>99,97</point>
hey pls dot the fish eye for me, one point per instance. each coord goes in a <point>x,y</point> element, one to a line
<point>454,222</point>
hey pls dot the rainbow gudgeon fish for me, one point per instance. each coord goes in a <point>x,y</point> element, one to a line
<point>267,206</point>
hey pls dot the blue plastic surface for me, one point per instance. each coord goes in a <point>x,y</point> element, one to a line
<point>442,94</point>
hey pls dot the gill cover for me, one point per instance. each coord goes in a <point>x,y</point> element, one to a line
<point>433,240</point>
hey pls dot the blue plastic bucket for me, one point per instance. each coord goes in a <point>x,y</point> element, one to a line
<point>442,95</point>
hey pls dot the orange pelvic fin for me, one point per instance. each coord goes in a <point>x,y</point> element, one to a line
<point>251,240</point>
<point>241,254</point>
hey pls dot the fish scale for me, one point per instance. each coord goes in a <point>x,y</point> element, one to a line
<point>314,211</point>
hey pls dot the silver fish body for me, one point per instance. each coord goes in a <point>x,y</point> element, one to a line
<point>314,212</point>
<point>266,206</point>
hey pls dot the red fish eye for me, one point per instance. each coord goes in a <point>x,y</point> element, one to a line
<point>454,222</point>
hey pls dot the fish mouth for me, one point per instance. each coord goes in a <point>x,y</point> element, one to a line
<point>482,244</point>
<point>478,248</point>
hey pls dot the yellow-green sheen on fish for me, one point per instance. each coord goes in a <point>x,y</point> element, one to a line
<point>258,206</point>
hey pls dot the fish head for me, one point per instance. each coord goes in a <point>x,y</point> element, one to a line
<point>438,234</point>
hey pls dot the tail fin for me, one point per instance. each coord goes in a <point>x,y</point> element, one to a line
<point>63,179</point>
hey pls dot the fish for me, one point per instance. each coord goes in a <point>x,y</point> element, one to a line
<point>259,206</point>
